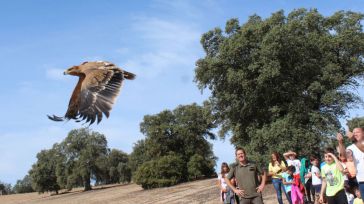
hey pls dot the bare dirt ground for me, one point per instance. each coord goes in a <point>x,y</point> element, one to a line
<point>204,191</point>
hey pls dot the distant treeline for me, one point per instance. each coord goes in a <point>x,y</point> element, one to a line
<point>175,150</point>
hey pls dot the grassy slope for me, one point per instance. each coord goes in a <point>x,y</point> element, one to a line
<point>204,191</point>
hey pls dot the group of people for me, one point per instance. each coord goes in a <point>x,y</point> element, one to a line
<point>338,179</point>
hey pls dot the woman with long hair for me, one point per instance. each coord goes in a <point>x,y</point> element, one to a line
<point>276,168</point>
<point>226,194</point>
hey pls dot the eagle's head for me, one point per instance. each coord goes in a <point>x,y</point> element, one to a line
<point>79,70</point>
<point>75,71</point>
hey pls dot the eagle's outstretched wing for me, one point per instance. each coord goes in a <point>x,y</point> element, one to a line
<point>99,91</point>
<point>95,94</point>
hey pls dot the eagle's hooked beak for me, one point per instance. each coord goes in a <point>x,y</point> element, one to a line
<point>66,72</point>
<point>72,71</point>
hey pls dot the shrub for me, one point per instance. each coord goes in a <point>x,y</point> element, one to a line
<point>165,171</point>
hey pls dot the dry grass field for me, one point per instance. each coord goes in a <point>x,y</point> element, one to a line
<point>204,191</point>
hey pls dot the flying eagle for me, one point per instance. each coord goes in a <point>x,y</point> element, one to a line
<point>97,88</point>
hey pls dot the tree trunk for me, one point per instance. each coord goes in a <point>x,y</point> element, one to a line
<point>87,183</point>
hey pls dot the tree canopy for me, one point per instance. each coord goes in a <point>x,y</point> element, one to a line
<point>282,82</point>
<point>43,172</point>
<point>81,157</point>
<point>355,122</point>
<point>172,137</point>
<point>24,185</point>
<point>5,188</point>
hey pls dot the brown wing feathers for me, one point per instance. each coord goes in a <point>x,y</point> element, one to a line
<point>98,98</point>
<point>95,93</point>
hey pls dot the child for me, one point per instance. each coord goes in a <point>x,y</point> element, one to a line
<point>358,199</point>
<point>306,179</point>
<point>332,180</point>
<point>287,180</point>
<point>291,160</point>
<point>316,177</point>
<point>226,194</point>
<point>297,190</point>
<point>348,194</point>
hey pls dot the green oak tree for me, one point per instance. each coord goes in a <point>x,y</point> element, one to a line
<point>43,172</point>
<point>24,185</point>
<point>81,150</point>
<point>163,171</point>
<point>5,188</point>
<point>182,132</point>
<point>355,122</point>
<point>282,82</point>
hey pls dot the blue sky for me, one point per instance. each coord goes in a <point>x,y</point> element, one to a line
<point>157,40</point>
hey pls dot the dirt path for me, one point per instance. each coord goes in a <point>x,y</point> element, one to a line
<point>204,191</point>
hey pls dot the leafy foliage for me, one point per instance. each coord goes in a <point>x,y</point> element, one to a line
<point>24,185</point>
<point>198,167</point>
<point>355,122</point>
<point>83,155</point>
<point>181,132</point>
<point>43,172</point>
<point>5,188</point>
<point>138,156</point>
<point>165,171</point>
<point>124,172</point>
<point>279,81</point>
<point>82,148</point>
<point>119,170</point>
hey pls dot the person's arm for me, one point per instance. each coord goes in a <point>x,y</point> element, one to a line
<point>323,189</point>
<point>260,188</point>
<point>239,192</point>
<point>340,140</point>
<point>219,185</point>
<point>349,134</point>
<point>286,182</point>
<point>285,155</point>
<point>308,175</point>
<point>283,166</point>
<point>338,163</point>
<point>317,172</point>
<point>270,170</point>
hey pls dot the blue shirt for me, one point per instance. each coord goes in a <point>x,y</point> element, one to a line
<point>287,178</point>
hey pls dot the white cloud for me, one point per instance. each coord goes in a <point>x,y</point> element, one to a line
<point>55,74</point>
<point>167,34</point>
<point>169,44</point>
<point>151,65</point>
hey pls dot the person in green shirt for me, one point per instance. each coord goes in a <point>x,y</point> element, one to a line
<point>250,179</point>
<point>332,179</point>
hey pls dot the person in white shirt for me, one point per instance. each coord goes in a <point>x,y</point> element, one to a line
<point>226,194</point>
<point>291,160</point>
<point>357,149</point>
<point>316,177</point>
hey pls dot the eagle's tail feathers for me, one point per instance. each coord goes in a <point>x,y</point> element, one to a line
<point>128,75</point>
<point>55,118</point>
